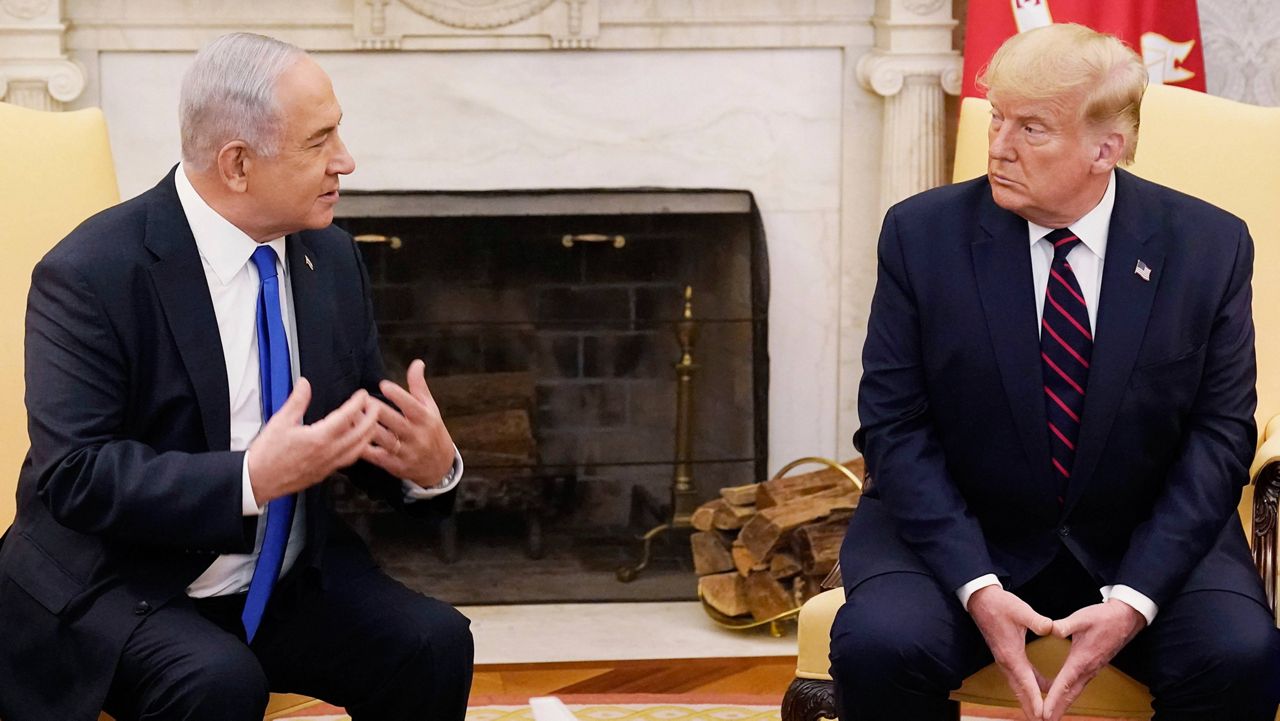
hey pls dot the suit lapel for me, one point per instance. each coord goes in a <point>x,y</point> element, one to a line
<point>1124,307</point>
<point>1002,265</point>
<point>184,295</point>
<point>312,297</point>
<point>312,302</point>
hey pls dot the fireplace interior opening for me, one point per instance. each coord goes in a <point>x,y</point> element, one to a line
<point>547,322</point>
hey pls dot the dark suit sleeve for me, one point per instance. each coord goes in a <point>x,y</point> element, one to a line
<point>1202,486</point>
<point>897,436</point>
<point>375,481</point>
<point>91,477</point>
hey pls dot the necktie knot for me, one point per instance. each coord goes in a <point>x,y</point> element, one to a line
<point>1063,241</point>
<point>264,257</point>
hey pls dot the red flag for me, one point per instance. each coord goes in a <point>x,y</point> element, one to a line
<point>1165,32</point>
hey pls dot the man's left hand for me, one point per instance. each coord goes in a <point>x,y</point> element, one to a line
<point>1097,634</point>
<point>412,442</point>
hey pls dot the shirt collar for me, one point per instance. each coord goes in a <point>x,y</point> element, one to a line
<point>223,246</point>
<point>1093,228</point>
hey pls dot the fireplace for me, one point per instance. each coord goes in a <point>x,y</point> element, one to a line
<point>547,322</point>
<point>827,111</point>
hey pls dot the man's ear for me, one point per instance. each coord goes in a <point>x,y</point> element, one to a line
<point>233,165</point>
<point>1110,150</point>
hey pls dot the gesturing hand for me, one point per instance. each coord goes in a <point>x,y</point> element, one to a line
<point>287,457</point>
<point>1004,620</point>
<point>1097,634</point>
<point>411,443</point>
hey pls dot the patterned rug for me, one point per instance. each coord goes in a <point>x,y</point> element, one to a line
<point>614,707</point>
<point>641,707</point>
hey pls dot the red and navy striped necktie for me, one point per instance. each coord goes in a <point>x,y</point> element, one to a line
<point>1066,345</point>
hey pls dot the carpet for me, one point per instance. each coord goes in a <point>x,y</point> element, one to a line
<point>640,707</point>
<point>611,707</point>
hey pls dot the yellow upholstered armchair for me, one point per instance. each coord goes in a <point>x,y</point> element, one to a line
<point>59,173</point>
<point>1227,153</point>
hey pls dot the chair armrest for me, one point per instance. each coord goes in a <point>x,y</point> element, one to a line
<point>1265,472</point>
<point>814,634</point>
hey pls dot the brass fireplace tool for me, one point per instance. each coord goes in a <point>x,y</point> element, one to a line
<point>684,499</point>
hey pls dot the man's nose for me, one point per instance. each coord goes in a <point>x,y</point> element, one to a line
<point>342,163</point>
<point>999,145</point>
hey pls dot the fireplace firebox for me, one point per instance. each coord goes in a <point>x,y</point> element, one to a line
<point>547,321</point>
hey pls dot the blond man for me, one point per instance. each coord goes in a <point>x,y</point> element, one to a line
<point>1057,416</point>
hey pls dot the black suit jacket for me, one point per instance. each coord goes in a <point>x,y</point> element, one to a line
<point>953,417</point>
<point>129,491</point>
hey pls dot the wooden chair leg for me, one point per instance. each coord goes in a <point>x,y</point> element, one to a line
<point>809,700</point>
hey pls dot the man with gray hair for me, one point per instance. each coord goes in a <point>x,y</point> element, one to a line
<point>200,359</point>
<point>1057,417</point>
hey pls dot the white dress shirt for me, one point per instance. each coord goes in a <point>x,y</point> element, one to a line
<point>233,281</point>
<point>1086,260</point>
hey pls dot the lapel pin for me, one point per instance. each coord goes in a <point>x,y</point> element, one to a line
<point>312,267</point>
<point>1142,270</point>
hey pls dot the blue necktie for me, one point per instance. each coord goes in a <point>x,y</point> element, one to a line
<point>276,382</point>
<point>1066,347</point>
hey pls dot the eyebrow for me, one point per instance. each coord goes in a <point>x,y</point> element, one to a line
<point>325,130</point>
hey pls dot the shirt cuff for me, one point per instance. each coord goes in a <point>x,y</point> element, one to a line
<point>964,592</point>
<point>248,504</point>
<point>414,492</point>
<point>1132,598</point>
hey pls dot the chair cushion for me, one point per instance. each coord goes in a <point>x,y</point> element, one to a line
<point>1112,693</point>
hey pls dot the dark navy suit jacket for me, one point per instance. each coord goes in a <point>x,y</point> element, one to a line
<point>952,413</point>
<point>129,490</point>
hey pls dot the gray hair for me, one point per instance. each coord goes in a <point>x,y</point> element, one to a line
<point>228,94</point>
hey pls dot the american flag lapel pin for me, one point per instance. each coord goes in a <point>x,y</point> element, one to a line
<point>1143,271</point>
<point>312,267</point>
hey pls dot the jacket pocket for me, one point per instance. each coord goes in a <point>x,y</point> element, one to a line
<point>1178,368</point>
<point>37,573</point>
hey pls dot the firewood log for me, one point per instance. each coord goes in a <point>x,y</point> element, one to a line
<point>740,495</point>
<point>725,592</point>
<point>804,588</point>
<point>783,565</point>
<point>818,546</point>
<point>763,532</point>
<point>743,561</point>
<point>703,518</point>
<point>710,554</point>
<point>729,517</point>
<point>507,432</point>
<point>780,490</point>
<point>766,598</point>
<point>469,394</point>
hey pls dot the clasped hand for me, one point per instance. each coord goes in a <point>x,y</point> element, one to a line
<point>1097,634</point>
<point>408,440</point>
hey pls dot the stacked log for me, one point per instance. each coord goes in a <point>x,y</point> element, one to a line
<point>489,417</point>
<point>763,549</point>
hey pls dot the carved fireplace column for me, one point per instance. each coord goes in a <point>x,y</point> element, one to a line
<point>912,65</point>
<point>34,72</point>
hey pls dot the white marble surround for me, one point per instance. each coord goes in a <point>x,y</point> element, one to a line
<point>797,102</point>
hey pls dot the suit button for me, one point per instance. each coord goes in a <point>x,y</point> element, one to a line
<point>1064,531</point>
<point>142,608</point>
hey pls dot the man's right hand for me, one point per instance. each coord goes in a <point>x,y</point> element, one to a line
<point>1004,620</point>
<point>287,456</point>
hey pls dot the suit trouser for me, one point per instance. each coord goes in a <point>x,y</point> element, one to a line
<point>367,644</point>
<point>901,644</point>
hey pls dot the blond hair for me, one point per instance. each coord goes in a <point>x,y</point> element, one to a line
<point>1068,59</point>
